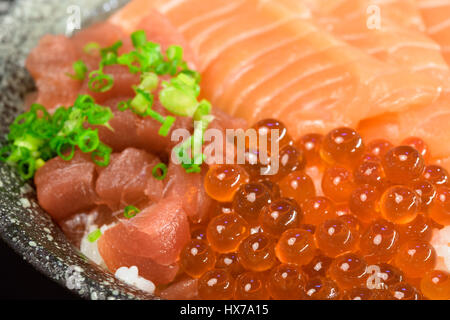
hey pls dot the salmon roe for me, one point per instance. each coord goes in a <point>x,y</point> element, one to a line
<point>311,145</point>
<point>341,219</point>
<point>400,204</point>
<point>225,232</point>
<point>403,164</point>
<point>222,181</point>
<point>196,258</point>
<point>436,285</point>
<point>335,237</point>
<point>251,286</point>
<point>216,284</point>
<point>257,252</point>
<point>337,183</point>
<point>296,246</point>
<point>342,146</point>
<point>280,215</point>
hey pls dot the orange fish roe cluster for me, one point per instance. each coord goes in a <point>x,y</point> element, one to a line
<point>362,233</point>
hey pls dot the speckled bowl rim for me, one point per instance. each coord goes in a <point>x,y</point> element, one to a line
<point>24,226</point>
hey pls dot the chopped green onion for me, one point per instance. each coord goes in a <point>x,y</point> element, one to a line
<point>166,126</point>
<point>99,115</point>
<point>175,53</point>
<point>88,141</point>
<point>138,38</point>
<point>178,102</point>
<point>203,109</point>
<point>91,47</point>
<point>39,163</point>
<point>94,235</point>
<point>130,212</point>
<point>62,147</point>
<point>149,82</point>
<point>80,69</point>
<point>100,82</point>
<point>124,105</point>
<point>141,102</point>
<point>156,174</point>
<point>26,168</point>
<point>101,156</point>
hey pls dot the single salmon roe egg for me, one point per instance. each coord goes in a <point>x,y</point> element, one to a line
<point>419,145</point>
<point>250,199</point>
<point>196,258</point>
<point>296,246</point>
<point>435,285</point>
<point>223,181</point>
<point>389,274</point>
<point>290,159</point>
<point>318,266</point>
<point>364,203</point>
<point>251,286</point>
<point>400,204</point>
<point>352,222</point>
<point>436,175</point>
<point>415,258</point>
<point>286,282</point>
<point>280,215</point>
<point>273,188</point>
<point>379,147</point>
<point>342,146</point>
<point>404,291</point>
<point>226,231</point>
<point>334,237</point>
<point>439,209</point>
<point>230,263</point>
<point>216,284</point>
<point>372,173</point>
<point>272,131</point>
<point>317,210</point>
<point>403,164</point>
<point>322,289</point>
<point>311,144</point>
<point>198,233</point>
<point>257,252</point>
<point>426,192</point>
<point>257,164</point>
<point>348,270</point>
<point>337,183</point>
<point>420,228</point>
<point>380,242</point>
<point>297,185</point>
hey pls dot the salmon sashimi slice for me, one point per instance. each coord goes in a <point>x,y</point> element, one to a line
<point>429,123</point>
<point>66,187</point>
<point>377,28</point>
<point>158,232</point>
<point>436,14</point>
<point>306,77</point>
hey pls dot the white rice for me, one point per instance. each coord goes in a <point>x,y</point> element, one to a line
<point>131,277</point>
